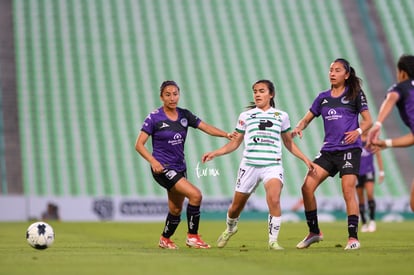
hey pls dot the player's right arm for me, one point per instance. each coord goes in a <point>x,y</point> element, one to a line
<point>232,145</point>
<point>302,124</point>
<point>143,151</point>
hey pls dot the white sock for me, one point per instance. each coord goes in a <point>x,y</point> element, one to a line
<point>274,228</point>
<point>231,223</point>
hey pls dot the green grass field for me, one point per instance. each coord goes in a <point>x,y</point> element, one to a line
<point>131,248</point>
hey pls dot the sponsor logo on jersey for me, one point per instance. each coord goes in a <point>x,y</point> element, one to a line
<point>332,115</point>
<point>265,124</point>
<point>177,139</point>
<point>324,101</point>
<point>332,112</point>
<point>263,140</point>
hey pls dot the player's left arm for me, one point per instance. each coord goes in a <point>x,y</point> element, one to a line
<point>364,125</point>
<point>213,131</point>
<point>366,122</point>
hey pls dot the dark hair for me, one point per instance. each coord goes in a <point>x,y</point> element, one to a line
<point>406,64</point>
<point>168,83</point>
<point>353,82</point>
<point>272,91</point>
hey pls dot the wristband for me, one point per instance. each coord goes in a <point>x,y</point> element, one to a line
<point>381,173</point>
<point>359,131</point>
<point>378,124</point>
<point>388,142</point>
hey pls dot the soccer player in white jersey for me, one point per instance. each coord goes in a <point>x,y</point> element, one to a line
<point>263,128</point>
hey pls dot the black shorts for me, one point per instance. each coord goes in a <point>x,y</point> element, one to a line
<point>362,179</point>
<point>346,162</point>
<point>168,178</point>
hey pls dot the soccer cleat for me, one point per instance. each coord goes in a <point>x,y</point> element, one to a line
<point>310,239</point>
<point>364,228</point>
<point>194,240</point>
<point>352,244</point>
<point>167,243</point>
<point>275,246</point>
<point>372,227</point>
<point>225,237</point>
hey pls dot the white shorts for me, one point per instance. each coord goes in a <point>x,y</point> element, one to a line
<point>249,177</point>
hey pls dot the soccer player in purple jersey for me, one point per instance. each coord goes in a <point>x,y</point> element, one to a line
<point>168,126</point>
<point>340,107</point>
<point>365,185</point>
<point>400,94</point>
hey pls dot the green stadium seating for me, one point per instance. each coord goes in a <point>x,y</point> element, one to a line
<point>89,72</point>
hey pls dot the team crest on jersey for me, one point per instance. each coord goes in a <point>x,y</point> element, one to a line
<point>344,100</point>
<point>278,116</point>
<point>184,122</point>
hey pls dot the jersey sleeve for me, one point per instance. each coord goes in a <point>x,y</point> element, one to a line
<point>361,100</point>
<point>315,109</point>
<point>285,122</point>
<point>241,123</point>
<point>147,126</point>
<point>396,88</point>
<point>193,120</point>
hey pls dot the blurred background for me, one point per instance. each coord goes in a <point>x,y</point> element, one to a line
<point>78,78</point>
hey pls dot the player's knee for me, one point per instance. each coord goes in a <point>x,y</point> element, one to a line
<point>196,198</point>
<point>176,211</point>
<point>306,190</point>
<point>274,201</point>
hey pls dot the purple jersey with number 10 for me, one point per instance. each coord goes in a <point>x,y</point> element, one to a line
<point>168,136</point>
<point>339,115</point>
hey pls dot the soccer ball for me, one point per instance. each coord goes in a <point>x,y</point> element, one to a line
<point>40,235</point>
